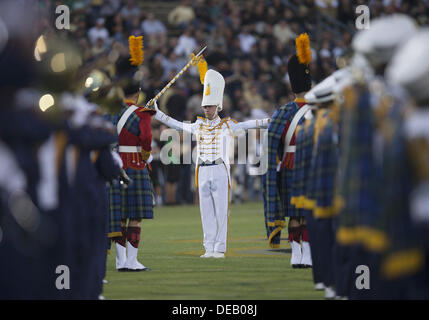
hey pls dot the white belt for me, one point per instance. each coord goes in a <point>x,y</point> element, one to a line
<point>208,162</point>
<point>130,149</point>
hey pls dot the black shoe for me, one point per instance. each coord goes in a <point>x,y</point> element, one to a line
<point>122,269</point>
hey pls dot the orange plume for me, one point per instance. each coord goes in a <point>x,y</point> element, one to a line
<point>136,50</point>
<point>303,50</point>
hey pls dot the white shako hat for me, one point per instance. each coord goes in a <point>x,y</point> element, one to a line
<point>409,67</point>
<point>322,92</point>
<point>385,35</point>
<point>214,84</point>
<point>327,89</point>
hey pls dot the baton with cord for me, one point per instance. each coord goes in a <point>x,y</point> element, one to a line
<point>177,76</point>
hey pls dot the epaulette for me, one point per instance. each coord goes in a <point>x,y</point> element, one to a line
<point>298,100</point>
<point>144,109</point>
<point>229,119</point>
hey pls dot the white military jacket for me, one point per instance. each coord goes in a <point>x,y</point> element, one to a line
<point>213,136</point>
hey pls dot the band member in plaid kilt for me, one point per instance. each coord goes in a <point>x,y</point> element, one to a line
<point>405,262</point>
<point>279,175</point>
<point>276,197</point>
<point>135,202</point>
<point>395,220</point>
<point>325,156</point>
<point>319,150</point>
<point>299,182</point>
<point>361,179</point>
<point>305,141</point>
<point>356,180</point>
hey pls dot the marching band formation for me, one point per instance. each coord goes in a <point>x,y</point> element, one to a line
<point>348,164</point>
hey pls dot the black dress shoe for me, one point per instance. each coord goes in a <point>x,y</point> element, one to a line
<point>122,269</point>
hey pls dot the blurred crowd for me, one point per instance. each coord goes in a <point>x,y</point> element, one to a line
<point>248,42</point>
<point>55,143</point>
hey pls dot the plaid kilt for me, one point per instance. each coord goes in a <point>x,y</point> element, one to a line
<point>326,167</point>
<point>358,184</point>
<point>302,162</point>
<point>354,163</point>
<point>269,225</point>
<point>275,130</point>
<point>298,168</point>
<point>137,199</point>
<point>398,179</point>
<point>279,189</point>
<point>285,177</point>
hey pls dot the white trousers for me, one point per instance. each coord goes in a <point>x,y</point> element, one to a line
<point>213,187</point>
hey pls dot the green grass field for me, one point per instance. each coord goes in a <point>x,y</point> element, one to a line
<point>172,243</point>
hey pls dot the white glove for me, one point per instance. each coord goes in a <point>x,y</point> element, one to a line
<point>117,158</point>
<point>149,160</point>
<point>155,106</point>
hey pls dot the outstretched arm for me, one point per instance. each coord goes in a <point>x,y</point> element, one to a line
<point>250,124</point>
<point>172,123</point>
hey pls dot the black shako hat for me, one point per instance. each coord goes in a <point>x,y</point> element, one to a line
<point>298,65</point>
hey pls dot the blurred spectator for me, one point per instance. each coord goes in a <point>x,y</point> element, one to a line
<point>253,98</point>
<point>182,15</point>
<point>193,106</point>
<point>216,39</point>
<point>99,47</point>
<point>85,48</point>
<point>246,40</point>
<point>98,31</point>
<point>110,7</point>
<point>135,27</point>
<point>325,52</point>
<point>201,11</point>
<point>186,43</point>
<point>130,10</point>
<point>345,12</point>
<point>118,33</point>
<point>282,32</point>
<point>152,26</point>
<point>172,64</point>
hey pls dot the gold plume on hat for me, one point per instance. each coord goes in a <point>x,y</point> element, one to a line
<point>303,51</point>
<point>202,69</point>
<point>201,64</point>
<point>136,50</point>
